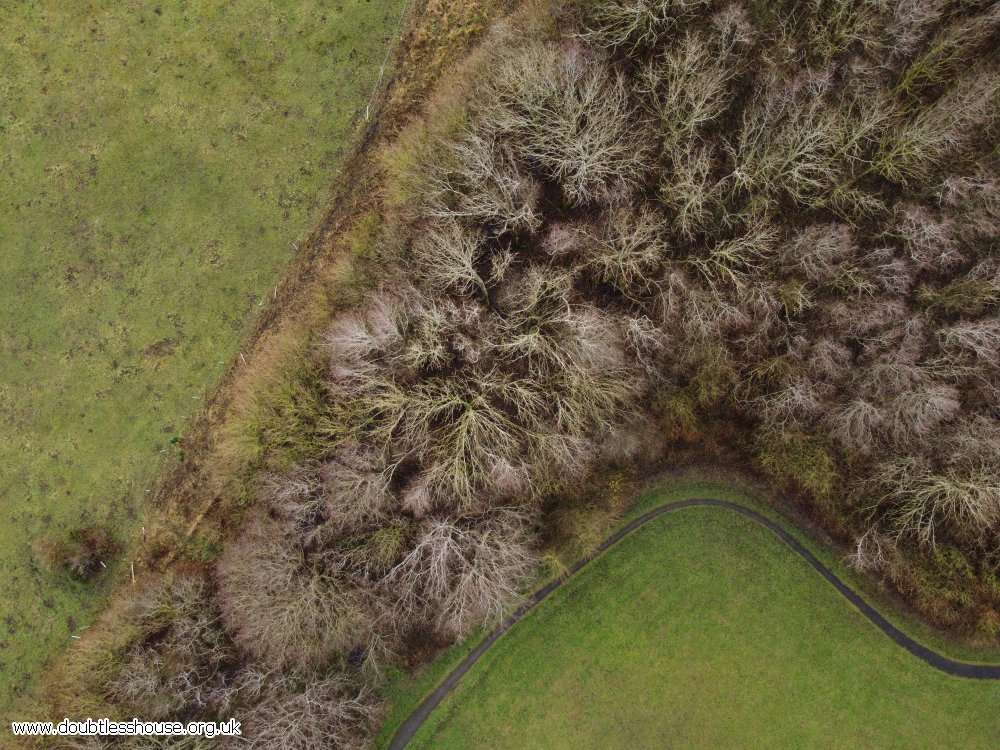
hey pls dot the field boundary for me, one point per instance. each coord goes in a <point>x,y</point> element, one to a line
<point>171,486</point>
<point>416,719</point>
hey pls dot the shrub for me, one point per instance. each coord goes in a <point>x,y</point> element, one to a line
<point>160,654</point>
<point>796,460</point>
<point>81,553</point>
<point>286,418</point>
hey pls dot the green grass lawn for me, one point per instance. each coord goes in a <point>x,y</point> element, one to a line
<point>157,161</point>
<point>700,630</point>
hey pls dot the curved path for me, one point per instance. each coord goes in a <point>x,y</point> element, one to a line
<point>960,669</point>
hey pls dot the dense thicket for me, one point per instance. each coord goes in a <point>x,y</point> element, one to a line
<point>780,215</point>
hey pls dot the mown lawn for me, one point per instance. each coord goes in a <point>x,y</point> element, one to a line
<point>702,630</point>
<point>157,161</point>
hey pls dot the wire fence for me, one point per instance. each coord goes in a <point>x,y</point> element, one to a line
<point>385,60</point>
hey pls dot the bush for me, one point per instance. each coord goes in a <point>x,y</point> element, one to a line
<point>83,553</point>
<point>159,654</point>
<point>795,461</point>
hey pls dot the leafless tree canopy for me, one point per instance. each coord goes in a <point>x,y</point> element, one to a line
<point>288,604</point>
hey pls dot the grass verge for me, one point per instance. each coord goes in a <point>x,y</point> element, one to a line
<point>573,674</point>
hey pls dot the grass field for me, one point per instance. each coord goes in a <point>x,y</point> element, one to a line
<point>158,161</point>
<point>700,630</point>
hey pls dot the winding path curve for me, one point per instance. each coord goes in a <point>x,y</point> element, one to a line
<point>960,669</point>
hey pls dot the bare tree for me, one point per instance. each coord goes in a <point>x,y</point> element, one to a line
<point>918,413</point>
<point>463,571</point>
<point>446,256</point>
<point>296,496</point>
<point>298,711</point>
<point>928,239</point>
<point>358,338</point>
<point>870,553</point>
<point>176,662</point>
<point>690,192</point>
<point>829,359</point>
<point>980,339</point>
<point>860,318</point>
<point>924,501</point>
<point>733,261</point>
<point>562,110</point>
<point>857,427</point>
<point>287,606</point>
<point>356,486</point>
<point>975,200</point>
<point>912,152</point>
<point>797,143</point>
<point>952,50</point>
<point>479,179</point>
<point>636,25</point>
<point>818,251</point>
<point>629,251</point>
<point>688,88</point>
<point>797,403</point>
<point>911,22</point>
